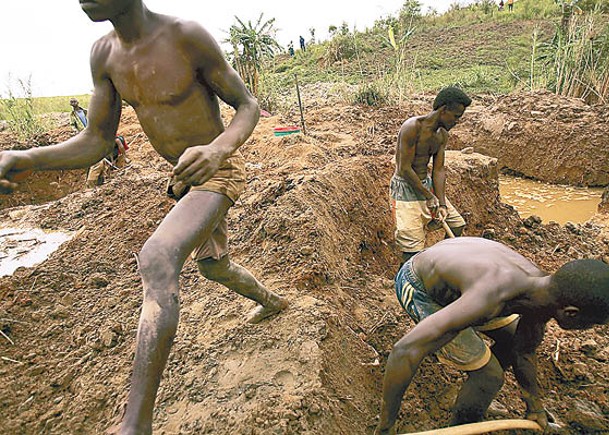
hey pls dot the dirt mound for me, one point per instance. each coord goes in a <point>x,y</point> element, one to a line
<point>313,225</point>
<point>542,136</point>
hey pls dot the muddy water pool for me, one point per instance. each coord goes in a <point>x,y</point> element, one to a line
<point>550,202</point>
<point>27,247</point>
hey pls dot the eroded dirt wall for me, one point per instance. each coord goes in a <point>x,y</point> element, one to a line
<point>540,135</point>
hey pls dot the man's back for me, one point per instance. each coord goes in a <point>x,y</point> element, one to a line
<point>463,263</point>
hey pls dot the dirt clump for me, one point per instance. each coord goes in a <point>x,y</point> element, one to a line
<point>314,225</point>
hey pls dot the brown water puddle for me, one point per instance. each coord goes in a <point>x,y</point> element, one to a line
<point>550,202</point>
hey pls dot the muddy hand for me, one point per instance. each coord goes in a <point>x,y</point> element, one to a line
<point>9,172</point>
<point>540,417</point>
<point>441,213</point>
<point>432,204</point>
<point>198,164</point>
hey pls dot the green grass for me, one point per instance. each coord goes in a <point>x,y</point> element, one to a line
<point>477,47</point>
<point>44,105</point>
<point>60,104</point>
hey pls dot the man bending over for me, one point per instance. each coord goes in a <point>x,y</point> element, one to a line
<point>460,287</point>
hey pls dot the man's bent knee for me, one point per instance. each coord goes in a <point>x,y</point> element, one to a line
<point>157,264</point>
<point>214,269</point>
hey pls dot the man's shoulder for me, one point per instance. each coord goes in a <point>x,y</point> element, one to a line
<point>182,27</point>
<point>411,124</point>
<point>103,46</point>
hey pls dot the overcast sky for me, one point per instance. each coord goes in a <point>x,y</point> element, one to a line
<point>50,40</point>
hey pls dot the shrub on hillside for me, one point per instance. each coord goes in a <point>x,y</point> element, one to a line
<point>369,94</point>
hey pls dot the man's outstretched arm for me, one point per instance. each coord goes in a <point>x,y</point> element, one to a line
<point>84,149</point>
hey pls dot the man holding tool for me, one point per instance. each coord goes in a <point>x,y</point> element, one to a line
<point>418,199</point>
<point>460,287</point>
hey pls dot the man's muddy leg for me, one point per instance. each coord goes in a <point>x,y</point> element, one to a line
<point>240,280</point>
<point>155,334</point>
<point>503,347</point>
<point>160,263</point>
<point>477,393</point>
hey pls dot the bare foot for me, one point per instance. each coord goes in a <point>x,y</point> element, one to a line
<point>115,425</point>
<point>261,312</point>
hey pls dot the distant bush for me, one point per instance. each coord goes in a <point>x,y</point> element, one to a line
<point>578,58</point>
<point>269,92</point>
<point>340,47</point>
<point>369,94</point>
<point>592,5</point>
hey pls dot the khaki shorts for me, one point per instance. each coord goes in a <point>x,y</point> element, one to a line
<point>229,181</point>
<point>412,216</point>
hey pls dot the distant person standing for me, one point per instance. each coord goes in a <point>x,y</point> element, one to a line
<point>510,4</point>
<point>291,49</point>
<point>501,5</point>
<point>302,44</point>
<point>78,116</point>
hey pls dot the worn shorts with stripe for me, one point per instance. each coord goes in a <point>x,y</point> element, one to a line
<point>467,351</point>
<point>412,216</point>
<point>230,181</point>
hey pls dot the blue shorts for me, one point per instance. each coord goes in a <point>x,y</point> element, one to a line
<point>467,351</point>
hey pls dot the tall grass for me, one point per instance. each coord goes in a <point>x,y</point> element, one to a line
<point>578,57</point>
<point>59,104</point>
<point>19,110</point>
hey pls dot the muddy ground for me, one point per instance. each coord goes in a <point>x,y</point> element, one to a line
<point>313,225</point>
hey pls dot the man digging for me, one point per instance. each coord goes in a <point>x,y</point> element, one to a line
<point>172,72</point>
<point>463,286</point>
<point>418,199</point>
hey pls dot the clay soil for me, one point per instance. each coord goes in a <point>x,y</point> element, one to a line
<point>314,226</point>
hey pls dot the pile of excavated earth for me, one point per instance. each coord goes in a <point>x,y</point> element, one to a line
<point>314,225</point>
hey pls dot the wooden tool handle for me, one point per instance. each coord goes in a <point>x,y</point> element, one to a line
<point>482,427</point>
<point>449,232</point>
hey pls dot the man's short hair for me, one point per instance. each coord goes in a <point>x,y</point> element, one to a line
<point>585,285</point>
<point>451,97</point>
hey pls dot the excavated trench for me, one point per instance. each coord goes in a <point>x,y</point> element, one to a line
<point>313,225</point>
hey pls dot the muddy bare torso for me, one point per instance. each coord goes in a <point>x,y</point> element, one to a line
<point>174,105</point>
<point>428,144</point>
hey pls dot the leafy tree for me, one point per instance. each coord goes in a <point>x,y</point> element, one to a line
<point>252,44</point>
<point>411,8</point>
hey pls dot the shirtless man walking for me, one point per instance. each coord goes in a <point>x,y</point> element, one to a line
<point>418,200</point>
<point>172,72</point>
<point>461,287</point>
